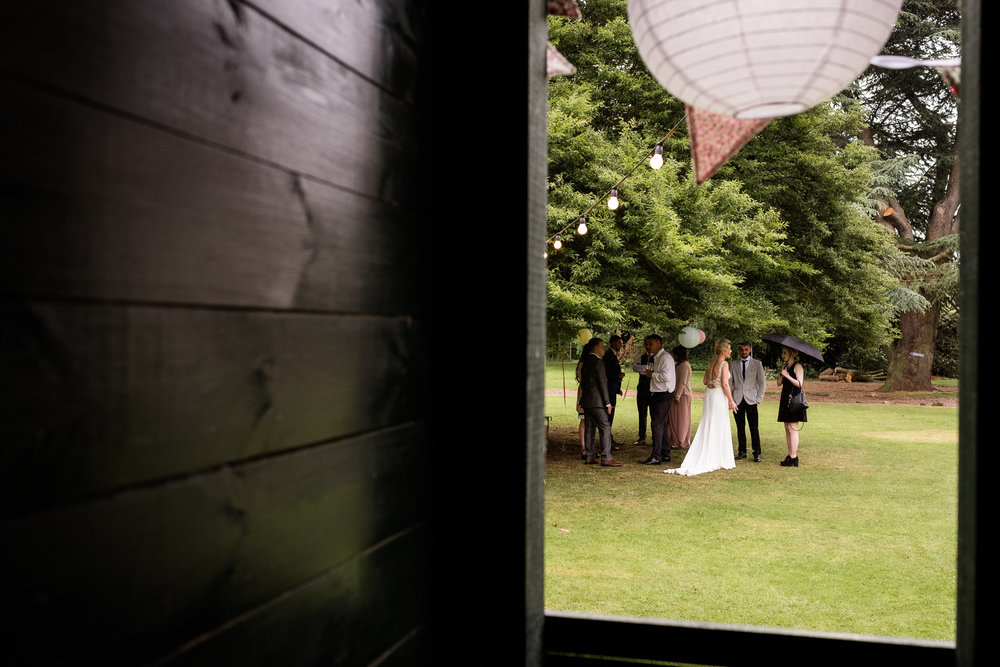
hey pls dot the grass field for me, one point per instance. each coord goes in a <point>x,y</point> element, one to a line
<point>860,538</point>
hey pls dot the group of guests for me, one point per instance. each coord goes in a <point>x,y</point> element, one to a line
<point>664,392</point>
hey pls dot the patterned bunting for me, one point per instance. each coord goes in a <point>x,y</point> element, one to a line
<point>716,138</point>
<point>556,63</point>
<point>564,8</point>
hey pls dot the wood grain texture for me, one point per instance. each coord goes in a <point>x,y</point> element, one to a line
<point>112,396</point>
<point>220,292</point>
<point>223,72</point>
<point>381,40</point>
<point>368,611</point>
<point>104,207</point>
<point>141,573</point>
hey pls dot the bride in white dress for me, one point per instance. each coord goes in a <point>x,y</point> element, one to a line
<point>712,445</point>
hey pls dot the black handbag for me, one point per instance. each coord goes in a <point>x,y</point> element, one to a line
<point>797,403</point>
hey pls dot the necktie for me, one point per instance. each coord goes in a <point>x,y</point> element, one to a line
<point>744,369</point>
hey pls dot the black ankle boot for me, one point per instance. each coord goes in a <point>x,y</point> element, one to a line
<point>790,462</point>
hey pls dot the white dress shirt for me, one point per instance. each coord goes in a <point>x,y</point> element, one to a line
<point>663,378</point>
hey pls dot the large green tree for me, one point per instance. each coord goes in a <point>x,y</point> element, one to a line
<point>779,239</point>
<point>913,124</point>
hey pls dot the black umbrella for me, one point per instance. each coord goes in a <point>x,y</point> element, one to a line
<point>795,344</point>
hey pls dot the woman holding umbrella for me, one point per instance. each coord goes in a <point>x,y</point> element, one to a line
<point>790,382</point>
<point>792,413</point>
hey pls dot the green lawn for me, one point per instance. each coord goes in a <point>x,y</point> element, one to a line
<point>860,538</point>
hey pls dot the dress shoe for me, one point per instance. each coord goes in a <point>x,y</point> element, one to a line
<point>789,462</point>
<point>741,455</point>
<point>651,461</point>
<point>756,457</point>
<point>640,441</point>
<point>589,461</point>
<point>611,463</point>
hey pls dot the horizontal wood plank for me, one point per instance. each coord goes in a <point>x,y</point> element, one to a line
<point>223,72</point>
<point>381,40</point>
<point>112,396</point>
<point>139,574</point>
<point>102,207</point>
<point>371,608</point>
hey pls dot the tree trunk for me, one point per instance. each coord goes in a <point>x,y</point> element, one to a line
<point>912,356</point>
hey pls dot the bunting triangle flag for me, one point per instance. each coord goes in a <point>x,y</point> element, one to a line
<point>564,8</point>
<point>556,63</point>
<point>716,138</point>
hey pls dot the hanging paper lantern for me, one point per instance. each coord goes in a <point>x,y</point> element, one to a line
<point>701,336</point>
<point>583,335</point>
<point>688,337</point>
<point>759,58</point>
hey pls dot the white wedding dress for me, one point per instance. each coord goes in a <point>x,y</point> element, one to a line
<point>712,445</point>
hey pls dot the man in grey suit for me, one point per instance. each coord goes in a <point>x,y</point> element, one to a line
<point>596,403</point>
<point>747,381</point>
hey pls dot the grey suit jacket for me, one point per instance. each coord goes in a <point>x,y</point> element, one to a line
<point>594,383</point>
<point>752,388</point>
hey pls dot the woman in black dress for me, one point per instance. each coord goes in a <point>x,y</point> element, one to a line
<point>790,382</point>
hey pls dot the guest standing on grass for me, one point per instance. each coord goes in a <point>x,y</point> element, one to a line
<point>579,394</point>
<point>613,369</point>
<point>747,382</point>
<point>791,379</point>
<point>596,404</point>
<point>642,390</point>
<point>661,393</point>
<point>679,416</point>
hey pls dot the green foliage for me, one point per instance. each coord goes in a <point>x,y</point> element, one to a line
<point>801,166</point>
<point>780,239</point>
<point>912,113</point>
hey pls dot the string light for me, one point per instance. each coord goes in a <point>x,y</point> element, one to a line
<point>657,160</point>
<point>613,199</point>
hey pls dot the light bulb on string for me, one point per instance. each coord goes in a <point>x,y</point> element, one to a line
<point>558,242</point>
<point>581,229</point>
<point>657,160</point>
<point>613,199</point>
<point>545,255</point>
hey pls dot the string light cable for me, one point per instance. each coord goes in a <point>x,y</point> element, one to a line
<point>655,158</point>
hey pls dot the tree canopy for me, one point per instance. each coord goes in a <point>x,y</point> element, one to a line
<point>781,238</point>
<point>912,122</point>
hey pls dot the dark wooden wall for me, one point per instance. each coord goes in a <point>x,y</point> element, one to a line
<point>246,261</point>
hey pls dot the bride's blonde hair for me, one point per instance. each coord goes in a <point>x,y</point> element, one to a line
<point>719,345</point>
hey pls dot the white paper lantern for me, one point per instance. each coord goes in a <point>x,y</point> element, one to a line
<point>759,58</point>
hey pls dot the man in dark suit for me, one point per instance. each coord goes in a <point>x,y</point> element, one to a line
<point>613,369</point>
<point>642,390</point>
<point>596,403</point>
<point>662,380</point>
